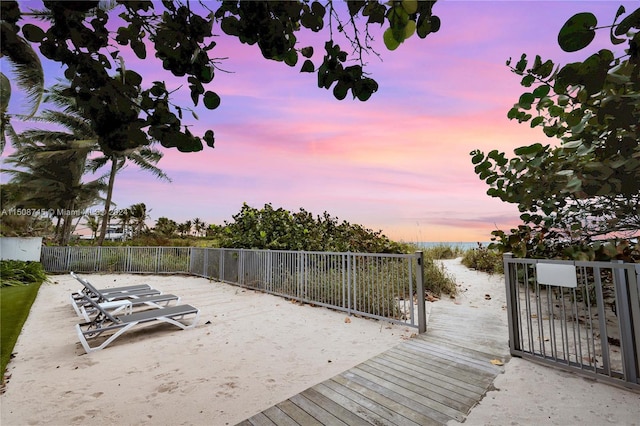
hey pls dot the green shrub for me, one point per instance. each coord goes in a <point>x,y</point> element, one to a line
<point>443,251</point>
<point>484,259</point>
<point>436,279</point>
<point>18,272</point>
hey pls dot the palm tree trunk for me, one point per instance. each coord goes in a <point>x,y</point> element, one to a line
<point>107,203</point>
<point>56,233</point>
<point>65,235</point>
<point>67,223</point>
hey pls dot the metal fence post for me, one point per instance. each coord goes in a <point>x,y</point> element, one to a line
<point>512,316</point>
<point>68,259</point>
<point>205,262</point>
<point>422,316</point>
<point>352,280</point>
<point>629,355</point>
<point>96,259</point>
<point>223,253</point>
<point>634,292</point>
<point>241,267</point>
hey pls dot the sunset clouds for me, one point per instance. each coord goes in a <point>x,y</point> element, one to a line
<point>398,162</point>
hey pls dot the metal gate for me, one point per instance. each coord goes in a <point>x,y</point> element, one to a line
<point>581,316</point>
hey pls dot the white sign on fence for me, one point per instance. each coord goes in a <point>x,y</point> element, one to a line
<point>559,275</point>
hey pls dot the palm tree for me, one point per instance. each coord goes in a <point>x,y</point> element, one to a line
<point>93,223</point>
<point>184,228</point>
<point>27,72</point>
<point>139,216</point>
<point>145,158</point>
<point>198,226</point>
<point>50,165</point>
<point>165,226</point>
<point>49,178</point>
<point>124,216</point>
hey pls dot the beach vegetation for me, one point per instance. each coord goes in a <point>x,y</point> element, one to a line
<point>484,259</point>
<point>579,195</point>
<point>437,280</point>
<point>18,272</point>
<point>49,167</point>
<point>128,110</point>
<point>442,251</point>
<point>272,228</point>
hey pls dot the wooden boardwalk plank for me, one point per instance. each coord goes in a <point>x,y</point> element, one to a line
<point>463,346</point>
<point>297,414</point>
<point>362,407</point>
<point>279,417</point>
<point>446,370</point>
<point>432,371</point>
<point>446,359</point>
<point>446,388</point>
<point>422,396</point>
<point>374,405</point>
<point>319,413</point>
<point>395,407</point>
<point>468,362</point>
<point>260,419</point>
<point>409,404</point>
<point>436,393</point>
<point>334,408</point>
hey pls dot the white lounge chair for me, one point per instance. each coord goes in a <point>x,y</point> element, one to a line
<point>127,305</point>
<point>108,295</point>
<point>87,287</point>
<point>104,322</point>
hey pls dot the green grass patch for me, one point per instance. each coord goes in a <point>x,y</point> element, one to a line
<point>15,304</point>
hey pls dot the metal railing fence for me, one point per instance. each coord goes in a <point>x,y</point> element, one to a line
<point>150,260</point>
<point>581,316</point>
<point>373,285</point>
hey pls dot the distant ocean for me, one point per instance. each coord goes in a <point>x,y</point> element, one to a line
<point>461,244</point>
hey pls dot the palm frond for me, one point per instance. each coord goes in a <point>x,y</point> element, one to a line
<point>97,163</point>
<point>25,65</point>
<point>145,159</point>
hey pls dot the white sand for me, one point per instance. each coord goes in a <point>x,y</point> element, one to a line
<point>258,350</point>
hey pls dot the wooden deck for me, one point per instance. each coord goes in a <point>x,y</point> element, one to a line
<point>427,380</point>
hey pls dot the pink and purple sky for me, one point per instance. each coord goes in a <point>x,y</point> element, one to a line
<point>398,162</point>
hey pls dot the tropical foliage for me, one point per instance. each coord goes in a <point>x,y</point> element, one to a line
<point>587,187</point>
<point>18,272</point>
<point>27,71</point>
<point>50,166</point>
<point>484,259</point>
<point>127,111</point>
<point>280,229</point>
